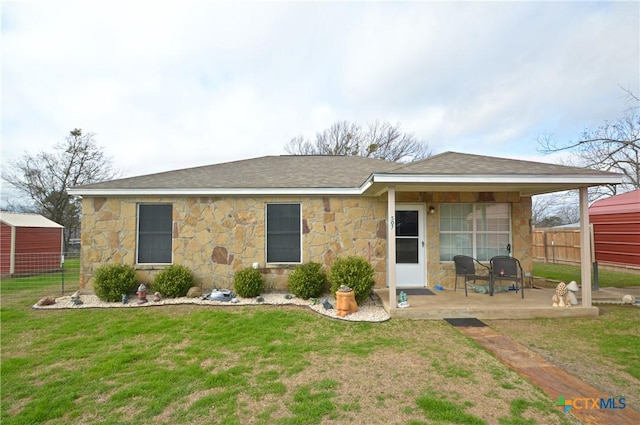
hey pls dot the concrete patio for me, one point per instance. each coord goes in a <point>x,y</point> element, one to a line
<point>506,305</point>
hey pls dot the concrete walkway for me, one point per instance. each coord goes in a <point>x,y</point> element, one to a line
<point>612,295</point>
<point>555,382</point>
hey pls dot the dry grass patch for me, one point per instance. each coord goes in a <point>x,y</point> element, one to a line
<point>384,386</point>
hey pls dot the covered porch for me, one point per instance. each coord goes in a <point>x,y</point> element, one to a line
<point>486,185</point>
<point>448,304</point>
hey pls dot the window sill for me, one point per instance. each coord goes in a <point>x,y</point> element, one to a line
<point>281,265</point>
<point>158,266</point>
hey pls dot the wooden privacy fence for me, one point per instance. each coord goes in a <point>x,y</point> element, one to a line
<point>556,245</point>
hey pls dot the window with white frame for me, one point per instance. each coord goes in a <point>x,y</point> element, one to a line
<point>481,231</point>
<point>284,233</point>
<point>155,237</point>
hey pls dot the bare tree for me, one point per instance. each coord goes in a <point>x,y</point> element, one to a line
<point>377,140</point>
<point>16,207</point>
<point>45,177</point>
<point>555,209</point>
<point>541,209</point>
<point>570,212</point>
<point>614,146</point>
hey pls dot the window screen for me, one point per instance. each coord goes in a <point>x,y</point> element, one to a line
<point>154,233</point>
<point>283,233</point>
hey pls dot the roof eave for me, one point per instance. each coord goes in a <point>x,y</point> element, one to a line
<point>580,180</point>
<point>217,192</point>
<point>526,185</point>
<point>377,183</point>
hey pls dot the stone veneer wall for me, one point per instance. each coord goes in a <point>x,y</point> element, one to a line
<point>215,237</point>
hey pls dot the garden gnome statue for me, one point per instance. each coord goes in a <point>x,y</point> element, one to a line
<point>345,301</point>
<point>142,294</point>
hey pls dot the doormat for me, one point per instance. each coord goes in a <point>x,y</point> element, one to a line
<point>414,291</point>
<point>466,322</point>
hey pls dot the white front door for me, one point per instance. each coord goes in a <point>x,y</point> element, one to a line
<point>410,246</point>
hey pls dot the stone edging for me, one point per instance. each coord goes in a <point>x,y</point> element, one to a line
<point>370,311</point>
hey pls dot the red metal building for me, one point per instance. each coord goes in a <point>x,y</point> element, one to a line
<point>29,243</point>
<point>616,229</point>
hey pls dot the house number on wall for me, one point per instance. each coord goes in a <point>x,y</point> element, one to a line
<point>392,222</point>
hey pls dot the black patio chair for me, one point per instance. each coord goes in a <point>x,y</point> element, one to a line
<point>465,267</point>
<point>507,268</point>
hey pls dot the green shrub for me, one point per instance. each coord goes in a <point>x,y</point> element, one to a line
<point>174,281</point>
<point>354,272</point>
<point>248,283</point>
<point>307,280</point>
<point>113,280</point>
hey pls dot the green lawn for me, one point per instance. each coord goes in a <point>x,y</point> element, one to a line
<point>283,365</point>
<point>567,273</point>
<point>47,282</point>
<point>260,365</point>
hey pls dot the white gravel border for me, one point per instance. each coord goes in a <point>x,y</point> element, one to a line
<point>370,311</point>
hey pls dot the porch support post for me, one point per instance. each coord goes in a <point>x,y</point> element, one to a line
<point>391,245</point>
<point>585,248</point>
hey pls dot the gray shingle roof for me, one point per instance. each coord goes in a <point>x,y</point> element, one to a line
<point>291,171</point>
<point>328,172</point>
<point>450,163</point>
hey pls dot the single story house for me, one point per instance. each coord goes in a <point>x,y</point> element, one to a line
<point>273,212</point>
<point>29,243</point>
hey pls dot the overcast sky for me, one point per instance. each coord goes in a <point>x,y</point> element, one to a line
<point>167,85</point>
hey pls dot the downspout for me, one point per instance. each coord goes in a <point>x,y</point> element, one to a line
<point>585,248</point>
<point>391,245</point>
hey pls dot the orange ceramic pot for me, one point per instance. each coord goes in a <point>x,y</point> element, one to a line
<point>346,303</point>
